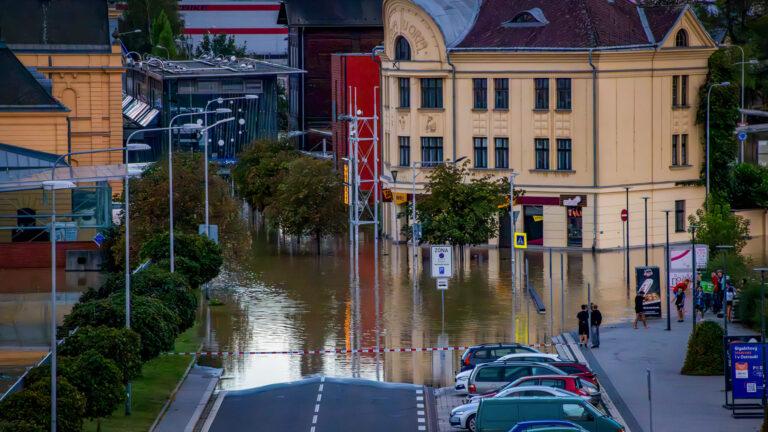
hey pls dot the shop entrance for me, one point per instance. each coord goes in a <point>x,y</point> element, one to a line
<point>533,223</point>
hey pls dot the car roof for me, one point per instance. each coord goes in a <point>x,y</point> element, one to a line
<point>498,344</point>
<point>537,387</point>
<point>541,354</point>
<point>512,363</point>
<point>547,376</point>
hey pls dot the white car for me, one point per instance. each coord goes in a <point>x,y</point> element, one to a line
<point>463,416</point>
<point>532,357</point>
<point>461,381</point>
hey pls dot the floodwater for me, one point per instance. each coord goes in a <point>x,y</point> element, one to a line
<point>286,298</point>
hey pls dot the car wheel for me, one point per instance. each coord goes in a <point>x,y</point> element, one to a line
<point>471,423</point>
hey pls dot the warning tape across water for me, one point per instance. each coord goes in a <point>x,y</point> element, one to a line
<point>331,351</point>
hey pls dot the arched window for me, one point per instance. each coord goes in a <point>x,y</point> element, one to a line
<point>681,38</point>
<point>402,49</point>
<point>524,17</point>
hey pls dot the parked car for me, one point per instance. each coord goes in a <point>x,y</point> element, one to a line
<point>485,353</point>
<point>501,414</point>
<point>547,426</point>
<point>491,376</point>
<point>463,416</point>
<point>531,357</point>
<point>578,369</point>
<point>463,377</point>
<point>571,383</point>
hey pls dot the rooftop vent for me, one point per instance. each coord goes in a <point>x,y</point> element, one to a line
<point>529,18</point>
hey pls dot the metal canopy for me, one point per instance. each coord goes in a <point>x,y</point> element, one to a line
<point>27,179</point>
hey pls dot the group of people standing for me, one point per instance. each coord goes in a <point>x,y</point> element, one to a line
<point>589,321</point>
<point>707,295</point>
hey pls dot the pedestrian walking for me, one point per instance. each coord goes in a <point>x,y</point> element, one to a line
<point>596,320</point>
<point>698,300</point>
<point>583,318</point>
<point>639,311</point>
<point>730,294</point>
<point>679,292</point>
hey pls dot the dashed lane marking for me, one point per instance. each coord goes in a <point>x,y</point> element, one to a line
<point>317,405</point>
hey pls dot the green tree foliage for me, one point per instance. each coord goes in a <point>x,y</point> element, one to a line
<point>99,380</point>
<point>197,258</point>
<point>718,225</point>
<point>459,209</point>
<point>150,318</point>
<point>261,169</point>
<point>219,45</point>
<point>724,114</point>
<point>19,426</point>
<point>162,35</point>
<point>121,345</point>
<point>150,212</point>
<point>33,406</point>
<point>308,201</point>
<point>140,14</point>
<point>748,187</point>
<point>705,350</point>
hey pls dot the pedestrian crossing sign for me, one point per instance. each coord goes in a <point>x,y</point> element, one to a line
<point>521,240</point>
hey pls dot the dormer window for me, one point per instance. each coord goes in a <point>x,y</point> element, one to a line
<point>402,49</point>
<point>529,18</point>
<point>681,38</point>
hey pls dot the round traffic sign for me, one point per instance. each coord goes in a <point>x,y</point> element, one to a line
<point>742,136</point>
<point>624,215</point>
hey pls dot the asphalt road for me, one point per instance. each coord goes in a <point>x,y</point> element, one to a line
<point>324,404</point>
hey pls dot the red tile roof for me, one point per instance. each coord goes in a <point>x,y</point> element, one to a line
<point>570,24</point>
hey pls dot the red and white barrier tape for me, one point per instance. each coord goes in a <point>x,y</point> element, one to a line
<point>333,351</point>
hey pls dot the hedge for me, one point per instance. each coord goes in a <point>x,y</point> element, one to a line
<point>705,350</point>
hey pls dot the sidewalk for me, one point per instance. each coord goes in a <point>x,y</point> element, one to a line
<point>689,403</point>
<point>188,403</point>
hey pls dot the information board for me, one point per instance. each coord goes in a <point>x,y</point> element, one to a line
<point>746,371</point>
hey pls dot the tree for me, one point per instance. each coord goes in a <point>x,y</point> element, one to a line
<point>33,405</point>
<point>261,169</point>
<point>150,318</point>
<point>162,35</point>
<point>121,345</point>
<point>219,45</point>
<point>198,258</point>
<point>749,186</point>
<point>308,200</point>
<point>99,380</point>
<point>139,14</point>
<point>724,114</point>
<point>705,350</point>
<point>717,225</point>
<point>149,206</point>
<point>457,211</point>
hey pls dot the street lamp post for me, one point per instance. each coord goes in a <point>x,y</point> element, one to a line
<point>694,272</point>
<point>413,210</point>
<point>626,197</point>
<point>512,251</point>
<point>205,158</point>
<point>170,169</point>
<point>167,51</point>
<point>204,136</point>
<point>723,292</point>
<point>645,205</point>
<point>709,93</point>
<point>53,186</point>
<point>666,266</point>
<point>743,119</point>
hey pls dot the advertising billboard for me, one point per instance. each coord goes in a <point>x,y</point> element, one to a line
<point>746,370</point>
<point>649,287</point>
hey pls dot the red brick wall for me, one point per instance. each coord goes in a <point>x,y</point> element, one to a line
<point>38,254</point>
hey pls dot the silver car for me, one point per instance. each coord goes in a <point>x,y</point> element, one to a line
<point>491,376</point>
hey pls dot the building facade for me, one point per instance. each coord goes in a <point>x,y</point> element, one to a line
<point>591,103</point>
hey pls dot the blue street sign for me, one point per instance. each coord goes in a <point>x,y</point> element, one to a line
<point>742,136</point>
<point>747,370</point>
<point>99,239</point>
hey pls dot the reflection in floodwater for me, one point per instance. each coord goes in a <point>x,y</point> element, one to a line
<point>285,298</point>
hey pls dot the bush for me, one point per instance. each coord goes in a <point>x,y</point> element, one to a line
<point>122,346</point>
<point>99,380</point>
<point>33,406</point>
<point>197,257</point>
<point>748,307</point>
<point>154,322</point>
<point>705,350</point>
<point>19,426</point>
<point>155,281</point>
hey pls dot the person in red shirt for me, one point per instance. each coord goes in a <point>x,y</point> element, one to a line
<point>679,297</point>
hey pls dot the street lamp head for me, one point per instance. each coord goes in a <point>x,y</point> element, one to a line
<point>223,110</point>
<point>394,175</point>
<point>191,126</point>
<point>58,184</point>
<point>138,147</point>
<point>760,269</point>
<point>724,84</point>
<point>251,96</point>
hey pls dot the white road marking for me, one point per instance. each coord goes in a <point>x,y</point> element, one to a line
<point>319,397</point>
<point>420,412</point>
<point>419,405</point>
<point>317,405</point>
<point>321,388</point>
<point>419,398</point>
<point>314,419</point>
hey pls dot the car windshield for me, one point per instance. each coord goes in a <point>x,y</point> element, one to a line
<point>586,384</point>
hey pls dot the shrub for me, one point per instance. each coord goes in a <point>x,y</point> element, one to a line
<point>99,380</point>
<point>197,257</point>
<point>154,322</point>
<point>122,346</point>
<point>705,350</point>
<point>19,426</point>
<point>157,282</point>
<point>33,406</point>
